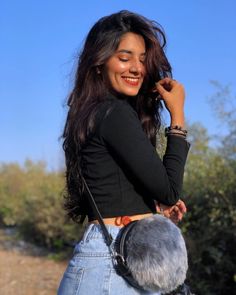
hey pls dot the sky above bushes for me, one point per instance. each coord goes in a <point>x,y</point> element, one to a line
<point>41,39</point>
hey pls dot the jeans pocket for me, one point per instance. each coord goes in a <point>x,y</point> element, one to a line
<point>71,281</point>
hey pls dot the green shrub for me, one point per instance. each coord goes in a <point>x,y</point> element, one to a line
<point>31,198</point>
<point>210,225</point>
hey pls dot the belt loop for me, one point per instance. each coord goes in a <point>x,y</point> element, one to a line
<point>87,231</point>
<point>122,220</point>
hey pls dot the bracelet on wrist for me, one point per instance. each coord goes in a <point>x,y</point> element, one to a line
<point>176,134</point>
<point>176,129</point>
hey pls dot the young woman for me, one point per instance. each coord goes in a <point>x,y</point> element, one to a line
<point>110,139</point>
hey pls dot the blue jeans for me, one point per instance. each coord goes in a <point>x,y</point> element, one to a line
<point>90,271</point>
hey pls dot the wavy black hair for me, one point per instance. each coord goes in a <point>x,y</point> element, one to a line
<point>90,90</point>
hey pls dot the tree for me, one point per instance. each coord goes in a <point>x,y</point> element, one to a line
<point>223,104</point>
<point>210,225</point>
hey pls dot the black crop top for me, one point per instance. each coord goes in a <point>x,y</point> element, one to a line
<point>122,168</point>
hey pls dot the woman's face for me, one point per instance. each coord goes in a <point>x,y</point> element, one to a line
<point>125,69</point>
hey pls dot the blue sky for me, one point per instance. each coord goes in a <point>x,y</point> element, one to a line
<point>39,44</point>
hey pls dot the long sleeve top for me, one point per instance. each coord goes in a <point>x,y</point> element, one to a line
<point>122,168</point>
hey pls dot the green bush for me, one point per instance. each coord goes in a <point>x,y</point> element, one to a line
<point>210,225</point>
<point>31,198</point>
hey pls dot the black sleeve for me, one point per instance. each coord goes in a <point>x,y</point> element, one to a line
<point>121,130</point>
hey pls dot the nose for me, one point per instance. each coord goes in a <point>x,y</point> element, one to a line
<point>136,67</point>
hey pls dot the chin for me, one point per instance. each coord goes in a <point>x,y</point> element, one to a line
<point>131,92</point>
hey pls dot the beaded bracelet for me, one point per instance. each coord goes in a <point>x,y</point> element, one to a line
<point>176,127</point>
<point>174,130</point>
<point>177,133</point>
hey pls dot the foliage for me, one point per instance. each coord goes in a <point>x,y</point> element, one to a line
<point>31,199</point>
<point>223,104</point>
<point>210,225</point>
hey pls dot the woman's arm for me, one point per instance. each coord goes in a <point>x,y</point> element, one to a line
<point>122,132</point>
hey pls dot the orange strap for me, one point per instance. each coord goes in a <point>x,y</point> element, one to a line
<point>122,220</point>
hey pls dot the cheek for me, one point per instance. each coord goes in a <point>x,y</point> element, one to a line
<point>115,73</point>
<point>119,69</point>
<point>116,68</point>
<point>122,67</point>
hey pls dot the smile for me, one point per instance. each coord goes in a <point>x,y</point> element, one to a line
<point>131,81</point>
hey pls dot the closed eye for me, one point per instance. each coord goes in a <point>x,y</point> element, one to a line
<point>123,59</point>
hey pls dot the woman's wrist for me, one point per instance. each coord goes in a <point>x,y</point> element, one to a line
<point>177,120</point>
<point>176,130</point>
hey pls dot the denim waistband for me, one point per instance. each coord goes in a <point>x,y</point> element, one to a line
<point>94,231</point>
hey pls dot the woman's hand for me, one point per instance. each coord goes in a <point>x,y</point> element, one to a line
<point>173,95</point>
<point>174,213</point>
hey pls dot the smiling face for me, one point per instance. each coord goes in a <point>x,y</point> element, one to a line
<point>125,69</point>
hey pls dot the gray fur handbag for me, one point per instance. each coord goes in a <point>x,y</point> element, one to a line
<point>150,254</point>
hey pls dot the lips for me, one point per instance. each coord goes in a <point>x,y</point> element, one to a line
<point>131,81</point>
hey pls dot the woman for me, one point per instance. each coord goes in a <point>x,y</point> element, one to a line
<point>110,139</point>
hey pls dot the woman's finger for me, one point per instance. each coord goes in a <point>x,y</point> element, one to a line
<point>181,205</point>
<point>167,81</point>
<point>161,90</point>
<point>164,80</point>
<point>178,213</point>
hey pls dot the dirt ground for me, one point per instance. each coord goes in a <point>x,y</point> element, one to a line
<point>25,271</point>
<point>27,275</point>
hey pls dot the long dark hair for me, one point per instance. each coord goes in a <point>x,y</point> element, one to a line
<point>90,90</point>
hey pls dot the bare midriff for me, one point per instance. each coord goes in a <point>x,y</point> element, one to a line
<point>122,220</point>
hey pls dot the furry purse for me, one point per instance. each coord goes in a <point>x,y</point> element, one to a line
<point>150,254</point>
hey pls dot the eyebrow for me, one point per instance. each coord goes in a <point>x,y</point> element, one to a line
<point>129,52</point>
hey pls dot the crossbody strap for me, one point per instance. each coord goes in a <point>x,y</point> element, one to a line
<point>108,237</point>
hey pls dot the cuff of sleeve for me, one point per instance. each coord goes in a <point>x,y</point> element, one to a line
<point>180,141</point>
